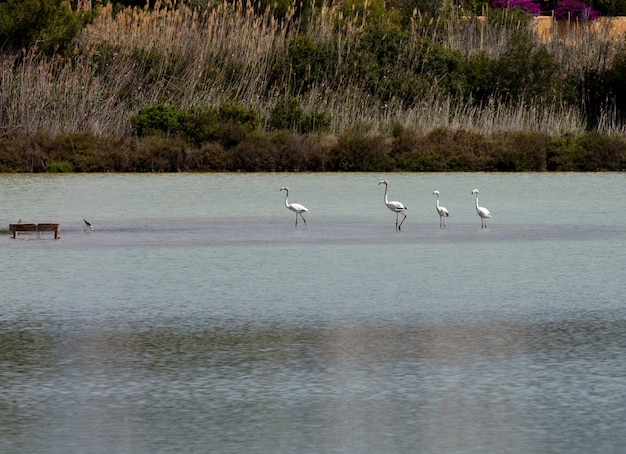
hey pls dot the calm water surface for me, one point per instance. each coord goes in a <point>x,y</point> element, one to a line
<point>196,318</point>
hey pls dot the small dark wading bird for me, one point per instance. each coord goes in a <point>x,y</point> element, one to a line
<point>482,211</point>
<point>295,207</point>
<point>396,207</point>
<point>443,211</point>
<point>88,226</point>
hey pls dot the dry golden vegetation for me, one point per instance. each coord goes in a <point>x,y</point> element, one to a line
<point>232,54</point>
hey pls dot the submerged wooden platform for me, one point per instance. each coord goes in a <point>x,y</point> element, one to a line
<point>23,227</point>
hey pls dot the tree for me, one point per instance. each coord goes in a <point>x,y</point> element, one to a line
<point>47,25</point>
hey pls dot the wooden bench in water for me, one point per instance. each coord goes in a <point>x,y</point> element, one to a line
<point>22,227</point>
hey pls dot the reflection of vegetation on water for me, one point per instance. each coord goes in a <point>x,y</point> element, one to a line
<point>22,349</point>
<point>172,349</point>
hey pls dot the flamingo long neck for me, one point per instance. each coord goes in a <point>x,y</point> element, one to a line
<point>386,200</point>
<point>477,201</point>
<point>287,198</point>
<point>437,202</point>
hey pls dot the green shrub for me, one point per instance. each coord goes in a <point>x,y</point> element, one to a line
<point>306,62</point>
<point>253,156</point>
<point>520,152</point>
<point>229,124</point>
<point>376,57</point>
<point>278,8</point>
<point>60,167</point>
<point>406,8</point>
<point>157,154</point>
<point>482,76</point>
<point>231,134</point>
<point>590,152</point>
<point>563,154</point>
<point>11,159</point>
<point>601,152</point>
<point>247,118</point>
<point>442,67</point>
<point>292,152</point>
<point>442,150</point>
<point>604,93</point>
<point>360,153</point>
<point>47,25</point>
<point>374,11</point>
<point>157,119</point>
<point>610,7</point>
<point>290,116</point>
<point>210,157</point>
<point>198,125</point>
<point>523,73</point>
<point>428,153</point>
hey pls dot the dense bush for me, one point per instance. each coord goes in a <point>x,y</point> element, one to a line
<point>600,152</point>
<point>306,63</point>
<point>161,118</point>
<point>610,7</point>
<point>228,124</point>
<point>524,73</point>
<point>441,150</point>
<point>525,5</point>
<point>574,9</point>
<point>376,55</point>
<point>290,116</point>
<point>520,152</point>
<point>247,118</point>
<point>603,93</point>
<point>198,125</point>
<point>563,154</point>
<point>615,78</point>
<point>591,152</point>
<point>360,153</point>
<point>48,25</point>
<point>563,9</point>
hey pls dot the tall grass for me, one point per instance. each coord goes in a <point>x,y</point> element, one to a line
<point>136,58</point>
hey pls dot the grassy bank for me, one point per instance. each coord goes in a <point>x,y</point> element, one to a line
<point>346,88</point>
<point>440,150</point>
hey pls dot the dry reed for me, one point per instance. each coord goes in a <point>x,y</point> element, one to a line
<point>186,57</point>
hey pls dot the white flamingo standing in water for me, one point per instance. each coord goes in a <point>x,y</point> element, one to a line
<point>295,207</point>
<point>396,207</point>
<point>482,211</point>
<point>443,211</point>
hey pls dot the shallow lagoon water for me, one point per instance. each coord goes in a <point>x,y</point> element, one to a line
<point>197,319</point>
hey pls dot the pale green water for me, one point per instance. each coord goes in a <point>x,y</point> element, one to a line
<point>197,319</point>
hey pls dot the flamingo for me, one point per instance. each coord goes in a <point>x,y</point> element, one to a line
<point>396,207</point>
<point>88,224</point>
<point>482,211</point>
<point>443,211</point>
<point>295,207</point>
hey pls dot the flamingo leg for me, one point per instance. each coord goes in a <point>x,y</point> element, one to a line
<point>400,226</point>
<point>304,220</point>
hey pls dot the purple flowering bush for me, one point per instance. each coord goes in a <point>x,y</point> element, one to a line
<point>575,9</point>
<point>526,5</point>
